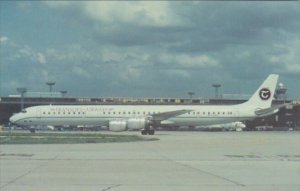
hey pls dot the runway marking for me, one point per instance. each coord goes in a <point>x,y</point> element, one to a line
<point>206,172</point>
<point>31,170</point>
<point>22,175</point>
<point>196,169</point>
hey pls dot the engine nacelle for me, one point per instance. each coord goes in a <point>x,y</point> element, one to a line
<point>117,126</point>
<point>132,124</point>
<point>137,123</point>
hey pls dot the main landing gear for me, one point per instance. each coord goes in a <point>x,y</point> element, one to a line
<point>148,132</point>
<point>32,130</point>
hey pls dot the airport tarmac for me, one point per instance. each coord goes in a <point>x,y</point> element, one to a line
<point>177,161</point>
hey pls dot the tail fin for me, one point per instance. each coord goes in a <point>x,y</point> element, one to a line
<point>263,96</point>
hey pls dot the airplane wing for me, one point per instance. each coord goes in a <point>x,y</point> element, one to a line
<point>166,115</point>
<point>158,117</point>
<point>271,110</point>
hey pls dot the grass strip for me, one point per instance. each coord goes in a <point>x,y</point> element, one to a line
<point>66,138</point>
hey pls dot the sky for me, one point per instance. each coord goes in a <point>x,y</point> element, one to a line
<point>148,49</point>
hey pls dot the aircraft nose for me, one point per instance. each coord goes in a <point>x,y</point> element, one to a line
<point>13,119</point>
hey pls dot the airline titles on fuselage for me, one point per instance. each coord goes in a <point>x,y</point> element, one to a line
<point>80,109</point>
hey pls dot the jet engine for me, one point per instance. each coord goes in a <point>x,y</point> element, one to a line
<point>137,123</point>
<point>117,126</point>
<point>132,124</point>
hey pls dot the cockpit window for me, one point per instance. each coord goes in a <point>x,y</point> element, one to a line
<point>24,111</point>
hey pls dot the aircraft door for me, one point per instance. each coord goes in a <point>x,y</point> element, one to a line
<point>38,113</point>
<point>236,114</point>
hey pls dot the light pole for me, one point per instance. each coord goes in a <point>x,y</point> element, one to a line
<point>22,91</point>
<point>216,86</point>
<point>50,84</point>
<point>191,94</point>
<point>63,93</point>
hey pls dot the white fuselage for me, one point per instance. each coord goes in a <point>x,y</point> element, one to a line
<point>98,115</point>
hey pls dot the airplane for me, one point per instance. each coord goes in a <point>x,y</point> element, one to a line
<point>148,117</point>
<point>233,126</point>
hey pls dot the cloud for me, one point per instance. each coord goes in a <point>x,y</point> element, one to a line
<point>41,58</point>
<point>138,13</point>
<point>24,5</point>
<point>189,61</point>
<point>26,52</point>
<point>150,48</point>
<point>178,73</point>
<point>3,39</point>
<point>71,52</point>
<point>202,61</point>
<point>80,72</point>
<point>285,57</point>
<point>58,4</point>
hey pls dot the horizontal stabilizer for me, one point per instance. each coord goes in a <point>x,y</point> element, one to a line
<point>271,110</point>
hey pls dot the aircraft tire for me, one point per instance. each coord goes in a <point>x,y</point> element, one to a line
<point>151,132</point>
<point>32,130</point>
<point>144,132</point>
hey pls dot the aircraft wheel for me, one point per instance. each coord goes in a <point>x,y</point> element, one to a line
<point>32,130</point>
<point>151,132</point>
<point>147,132</point>
<point>144,132</point>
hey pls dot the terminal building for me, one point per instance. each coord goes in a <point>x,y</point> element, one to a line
<point>286,118</point>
